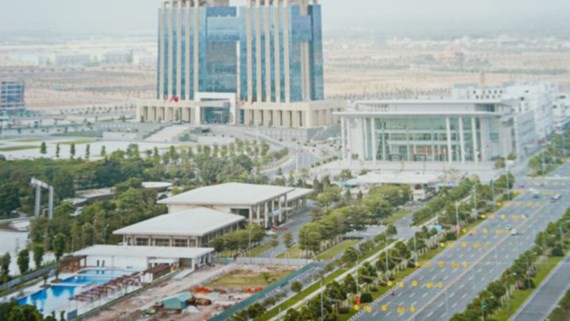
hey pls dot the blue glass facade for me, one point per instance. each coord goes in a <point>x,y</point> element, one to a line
<point>11,98</point>
<point>224,45</point>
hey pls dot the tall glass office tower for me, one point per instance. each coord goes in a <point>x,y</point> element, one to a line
<point>11,97</point>
<point>262,50</point>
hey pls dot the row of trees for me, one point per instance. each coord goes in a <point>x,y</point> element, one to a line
<point>240,240</point>
<point>552,156</point>
<point>339,297</point>
<point>553,242</point>
<point>481,198</point>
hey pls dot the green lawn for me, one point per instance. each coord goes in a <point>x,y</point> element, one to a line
<point>16,148</point>
<point>301,295</point>
<point>256,251</point>
<point>249,279</point>
<point>519,297</point>
<point>27,140</point>
<point>293,253</point>
<point>396,216</point>
<point>78,142</point>
<point>337,249</point>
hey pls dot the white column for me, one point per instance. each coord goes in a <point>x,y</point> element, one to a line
<point>267,52</point>
<point>249,50</point>
<point>287,64</point>
<point>161,51</point>
<point>197,115</point>
<point>170,50</point>
<point>196,48</point>
<point>349,140</point>
<point>258,80</point>
<point>277,51</point>
<point>187,56</point>
<point>374,140</point>
<point>383,142</point>
<point>343,137</point>
<point>475,142</point>
<point>266,215</point>
<point>365,129</point>
<point>179,51</point>
<point>462,139</point>
<point>448,132</point>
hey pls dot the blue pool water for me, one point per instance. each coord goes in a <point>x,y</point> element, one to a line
<point>51,298</point>
<point>56,297</point>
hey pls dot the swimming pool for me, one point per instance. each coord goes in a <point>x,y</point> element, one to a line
<point>52,298</point>
<point>56,297</point>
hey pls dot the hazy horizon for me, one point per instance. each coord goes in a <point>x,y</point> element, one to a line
<point>118,17</point>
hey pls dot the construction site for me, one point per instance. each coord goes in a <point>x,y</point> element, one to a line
<point>197,296</point>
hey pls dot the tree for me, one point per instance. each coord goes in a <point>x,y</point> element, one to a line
<point>9,197</point>
<point>23,261</point>
<point>274,241</point>
<point>58,246</point>
<point>293,315</point>
<point>296,286</point>
<point>349,284</point>
<point>57,150</point>
<point>5,264</point>
<point>103,151</point>
<point>43,148</point>
<point>288,238</point>
<point>391,230</point>
<point>345,175</point>
<point>38,254</point>
<point>87,151</point>
<point>72,150</point>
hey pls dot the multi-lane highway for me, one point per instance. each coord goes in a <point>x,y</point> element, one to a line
<point>486,254</point>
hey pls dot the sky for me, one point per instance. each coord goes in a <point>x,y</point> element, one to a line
<point>131,16</point>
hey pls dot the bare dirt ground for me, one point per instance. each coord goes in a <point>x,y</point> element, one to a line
<point>225,286</point>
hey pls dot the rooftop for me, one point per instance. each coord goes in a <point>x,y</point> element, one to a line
<point>194,222</point>
<point>145,251</point>
<point>404,178</point>
<point>228,194</point>
<point>298,193</point>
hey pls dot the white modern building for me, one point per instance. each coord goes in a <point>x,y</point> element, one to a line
<point>144,257</point>
<point>195,227</point>
<point>262,204</point>
<point>561,112</point>
<point>538,98</point>
<point>454,131</point>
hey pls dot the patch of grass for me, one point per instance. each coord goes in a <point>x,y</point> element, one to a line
<point>249,279</point>
<point>293,253</point>
<point>27,140</point>
<point>337,249</point>
<point>520,297</point>
<point>300,296</point>
<point>396,217</point>
<point>78,142</point>
<point>16,148</point>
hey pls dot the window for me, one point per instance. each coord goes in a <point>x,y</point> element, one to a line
<point>142,242</point>
<point>161,242</point>
<point>181,243</point>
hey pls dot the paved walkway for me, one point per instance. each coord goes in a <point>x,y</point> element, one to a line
<point>546,297</point>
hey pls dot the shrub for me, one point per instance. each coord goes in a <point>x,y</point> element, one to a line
<point>366,298</point>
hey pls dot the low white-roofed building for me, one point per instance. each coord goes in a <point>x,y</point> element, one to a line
<point>190,228</point>
<point>297,199</point>
<point>144,257</point>
<point>420,183</point>
<point>262,204</point>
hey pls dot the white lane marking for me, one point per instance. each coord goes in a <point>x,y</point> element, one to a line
<point>424,295</point>
<point>412,295</point>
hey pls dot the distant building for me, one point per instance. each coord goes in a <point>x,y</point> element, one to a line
<point>262,204</point>
<point>452,131</point>
<point>12,101</point>
<point>561,112</point>
<point>190,228</point>
<point>538,98</point>
<point>256,64</point>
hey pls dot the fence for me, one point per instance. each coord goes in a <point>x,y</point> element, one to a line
<point>258,296</point>
<point>30,276</point>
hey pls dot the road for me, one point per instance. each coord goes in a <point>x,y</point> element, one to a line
<point>461,285</point>
<point>545,298</point>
